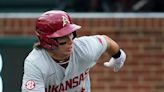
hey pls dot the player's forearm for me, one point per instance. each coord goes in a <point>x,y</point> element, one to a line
<point>112,46</point>
<point>118,55</point>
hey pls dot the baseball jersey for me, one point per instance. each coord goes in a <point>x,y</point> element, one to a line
<point>43,74</point>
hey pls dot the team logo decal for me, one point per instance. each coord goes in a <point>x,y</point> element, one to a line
<point>65,20</point>
<point>30,85</point>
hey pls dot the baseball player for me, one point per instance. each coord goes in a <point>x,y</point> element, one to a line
<point>60,61</point>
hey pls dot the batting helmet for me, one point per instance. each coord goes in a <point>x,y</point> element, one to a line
<point>53,24</point>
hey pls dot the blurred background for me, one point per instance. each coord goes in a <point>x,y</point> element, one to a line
<point>136,25</point>
<point>82,5</point>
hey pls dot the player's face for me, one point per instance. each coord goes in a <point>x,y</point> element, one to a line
<point>65,44</point>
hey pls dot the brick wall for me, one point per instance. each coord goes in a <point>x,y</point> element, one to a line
<point>142,39</point>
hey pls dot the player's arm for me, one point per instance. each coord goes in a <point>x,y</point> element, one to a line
<point>32,79</point>
<point>118,56</point>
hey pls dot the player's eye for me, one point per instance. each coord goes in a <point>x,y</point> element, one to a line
<point>63,40</point>
<point>62,43</point>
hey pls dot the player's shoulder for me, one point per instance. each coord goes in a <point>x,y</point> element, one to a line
<point>83,39</point>
<point>36,56</point>
<point>37,59</point>
<point>83,44</point>
<point>88,39</point>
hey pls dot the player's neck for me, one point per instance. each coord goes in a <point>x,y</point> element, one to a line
<point>58,57</point>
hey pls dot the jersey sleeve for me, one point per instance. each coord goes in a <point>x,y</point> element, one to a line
<point>92,47</point>
<point>96,46</point>
<point>32,79</point>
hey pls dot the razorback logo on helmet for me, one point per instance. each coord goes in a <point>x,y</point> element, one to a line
<point>65,20</point>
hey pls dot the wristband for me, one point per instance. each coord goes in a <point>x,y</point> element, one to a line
<point>117,55</point>
<point>116,63</point>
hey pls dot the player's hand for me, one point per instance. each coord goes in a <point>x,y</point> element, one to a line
<point>118,63</point>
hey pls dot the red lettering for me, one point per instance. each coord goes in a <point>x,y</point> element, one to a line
<point>75,82</point>
<point>81,78</point>
<point>82,90</point>
<point>54,88</point>
<point>61,87</point>
<point>49,88</point>
<point>86,72</point>
<point>46,90</point>
<point>68,84</point>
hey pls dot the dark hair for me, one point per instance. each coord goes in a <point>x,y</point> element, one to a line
<point>37,45</point>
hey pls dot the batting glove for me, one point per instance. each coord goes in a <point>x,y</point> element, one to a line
<point>116,63</point>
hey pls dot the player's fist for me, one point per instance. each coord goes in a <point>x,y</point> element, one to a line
<point>116,63</point>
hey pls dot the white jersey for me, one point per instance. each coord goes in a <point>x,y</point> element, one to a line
<point>42,74</point>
